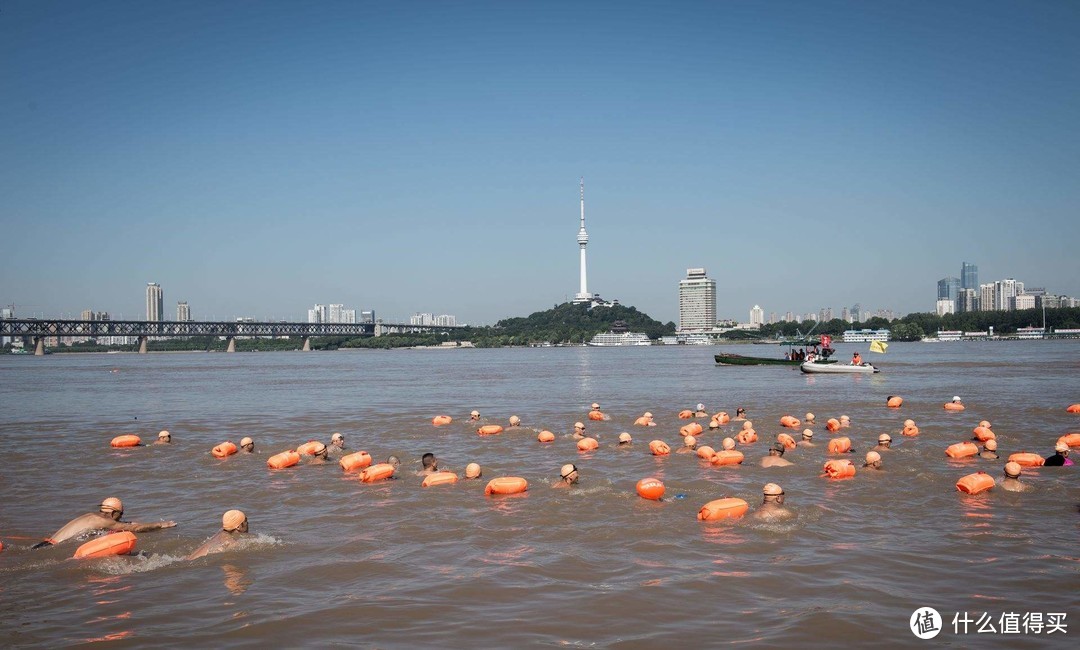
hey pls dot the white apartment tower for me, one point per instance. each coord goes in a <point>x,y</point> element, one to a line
<point>757,316</point>
<point>155,299</point>
<point>183,312</point>
<point>697,302</point>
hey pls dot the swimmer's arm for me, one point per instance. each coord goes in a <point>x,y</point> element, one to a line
<point>137,527</point>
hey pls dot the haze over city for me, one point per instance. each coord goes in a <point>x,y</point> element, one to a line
<point>258,158</point>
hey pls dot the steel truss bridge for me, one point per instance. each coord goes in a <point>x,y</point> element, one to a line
<point>38,330</point>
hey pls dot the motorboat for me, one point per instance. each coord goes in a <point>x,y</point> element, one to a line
<point>864,368</point>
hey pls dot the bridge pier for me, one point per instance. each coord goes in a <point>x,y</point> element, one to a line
<point>39,346</point>
<point>307,344</point>
<point>232,344</point>
<point>142,344</point>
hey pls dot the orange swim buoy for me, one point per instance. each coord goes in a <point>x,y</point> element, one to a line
<point>747,436</point>
<point>1026,459</point>
<point>728,457</point>
<point>833,425</point>
<point>659,448</point>
<point>975,483</point>
<point>596,415</point>
<point>650,488</point>
<point>686,415</point>
<point>308,448</point>
<point>962,450</point>
<point>840,445</point>
<point>705,452</point>
<point>441,420</point>
<point>1070,439</point>
<point>355,460</point>
<point>786,440</point>
<point>910,431</point>
<point>128,440</point>
<point>721,418</point>
<point>691,429</point>
<point>895,402</point>
<point>587,444</point>
<point>506,485</point>
<point>377,472</point>
<point>545,436</point>
<point>223,450</point>
<point>982,434</point>
<point>729,508</point>
<point>790,422</point>
<point>838,469</point>
<point>283,460</point>
<point>439,478</point>
<point>489,430</point>
<point>953,406</point>
<point>120,543</point>
<point>1073,408</point>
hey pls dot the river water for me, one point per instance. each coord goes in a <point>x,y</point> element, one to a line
<point>335,561</point>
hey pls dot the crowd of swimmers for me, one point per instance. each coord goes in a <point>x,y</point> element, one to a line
<point>234,525</point>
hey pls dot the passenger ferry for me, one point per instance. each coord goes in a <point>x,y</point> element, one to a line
<point>865,336</point>
<point>621,339</point>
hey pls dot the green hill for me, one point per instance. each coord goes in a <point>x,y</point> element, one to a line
<point>575,323</point>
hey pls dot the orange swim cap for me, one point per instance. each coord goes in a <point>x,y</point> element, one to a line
<point>624,437</point>
<point>991,445</point>
<point>163,434</point>
<point>872,457</point>
<point>689,441</point>
<point>772,490</point>
<point>244,442</point>
<point>807,433</point>
<point>595,405</point>
<point>232,520</point>
<point>112,504</point>
<point>514,420</point>
<point>1012,470</point>
<point>728,444</point>
<point>472,470</point>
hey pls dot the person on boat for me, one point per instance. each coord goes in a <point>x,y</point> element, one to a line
<point>579,430</point>
<point>776,457</point>
<point>989,451</point>
<point>1011,482</point>
<point>625,439</point>
<point>568,476</point>
<point>873,460</point>
<point>810,357</point>
<point>234,527</point>
<point>1060,457</point>
<point>689,445</point>
<point>701,413</point>
<point>474,416</point>
<point>772,507</point>
<point>884,442</point>
<point>740,413</point>
<point>247,445</point>
<point>856,359</point>
<point>163,438</point>
<point>807,439</point>
<point>787,356</point>
<point>106,518</point>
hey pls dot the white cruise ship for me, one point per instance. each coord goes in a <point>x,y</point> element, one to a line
<point>621,339</point>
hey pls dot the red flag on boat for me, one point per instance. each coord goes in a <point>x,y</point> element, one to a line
<point>826,340</point>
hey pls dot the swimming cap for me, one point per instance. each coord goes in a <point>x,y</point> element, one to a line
<point>984,423</point>
<point>809,417</point>
<point>701,407</point>
<point>772,490</point>
<point>714,424</point>
<point>244,442</point>
<point>728,444</point>
<point>514,420</point>
<point>578,425</point>
<point>909,423</point>
<point>844,417</point>
<point>778,447</point>
<point>393,460</point>
<point>472,470</point>
<point>884,438</point>
<point>747,425</point>
<point>647,414</point>
<point>1061,446</point>
<point>319,450</point>
<point>872,457</point>
<point>112,504</point>
<point>956,398</point>
<point>164,434</point>
<point>232,520</point>
<point>1012,470</point>
<point>567,470</point>
<point>475,413</point>
<point>807,433</point>
<point>595,406</point>
<point>337,436</point>
<point>991,445</point>
<point>689,441</point>
<point>624,437</point>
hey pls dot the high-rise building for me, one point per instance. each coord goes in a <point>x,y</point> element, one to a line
<point>317,314</point>
<point>697,302</point>
<point>825,315</point>
<point>367,316</point>
<point>946,306</point>
<point>87,314</point>
<point>334,315</point>
<point>183,312</point>
<point>1024,301</point>
<point>1005,291</point>
<point>969,276</point>
<point>155,301</point>
<point>583,294</point>
<point>986,297</point>
<point>856,313</point>
<point>845,315</point>
<point>967,300</point>
<point>757,316</point>
<point>788,316</point>
<point>949,289</point>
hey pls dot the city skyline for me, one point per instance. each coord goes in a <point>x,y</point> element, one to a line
<point>418,146</point>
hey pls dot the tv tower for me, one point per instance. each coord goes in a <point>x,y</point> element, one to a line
<point>583,240</point>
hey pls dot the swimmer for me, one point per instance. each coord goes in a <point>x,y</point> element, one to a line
<point>714,424</point>
<point>689,445</point>
<point>234,527</point>
<point>579,431</point>
<point>337,442</point>
<point>568,476</point>
<point>430,463</point>
<point>393,460</point>
<point>107,518</point>
<point>319,456</point>
<point>989,451</point>
<point>740,413</point>
<point>873,460</point>
<point>247,445</point>
<point>625,439</point>
<point>884,442</point>
<point>1011,482</point>
<point>772,508</point>
<point>728,444</point>
<point>1060,457</point>
<point>474,416</point>
<point>163,438</point>
<point>956,399</point>
<point>472,470</point>
<point>515,421</point>
<point>776,457</point>
<point>807,439</point>
<point>700,413</point>
<point>845,422</point>
<point>809,419</point>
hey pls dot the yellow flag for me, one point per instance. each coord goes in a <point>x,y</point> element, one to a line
<point>878,346</point>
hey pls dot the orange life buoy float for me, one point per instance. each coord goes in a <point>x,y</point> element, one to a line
<point>728,457</point>
<point>833,425</point>
<point>686,415</point>
<point>650,488</point>
<point>721,418</point>
<point>441,420</point>
<point>489,430</point>
<point>1025,459</point>
<point>962,450</point>
<point>308,448</point>
<point>659,448</point>
<point>506,485</point>
<point>120,543</point>
<point>1070,439</point>
<point>355,460</point>
<point>705,452</point>
<point>377,472</point>
<point>895,402</point>
<point>910,431</point>
<point>975,483</point>
<point>587,444</point>
<point>982,434</point>
<point>837,469</point>
<point>747,436</point>
<point>790,422</point>
<point>439,478</point>
<point>129,440</point>
<point>283,460</point>
<point>953,406</point>
<point>1073,408</point>
<point>692,429</point>
<point>840,445</point>
<point>223,450</point>
<point>729,508</point>
<point>596,415</point>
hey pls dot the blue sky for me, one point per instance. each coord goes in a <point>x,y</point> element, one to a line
<point>258,157</point>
